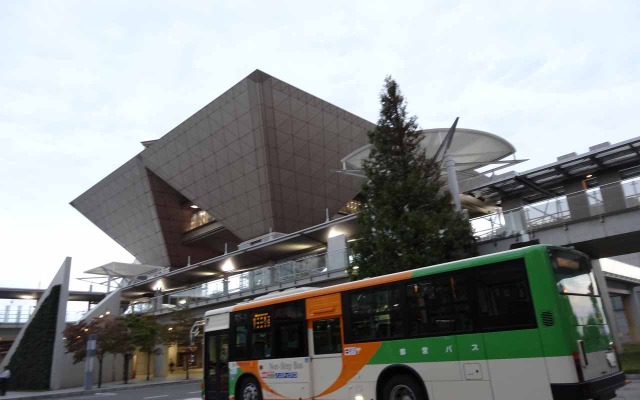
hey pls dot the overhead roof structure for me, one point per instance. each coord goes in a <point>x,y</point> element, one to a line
<point>305,239</point>
<point>471,149</point>
<point>124,270</point>
<point>545,181</point>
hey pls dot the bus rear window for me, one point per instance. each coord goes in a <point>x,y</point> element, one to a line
<point>573,273</point>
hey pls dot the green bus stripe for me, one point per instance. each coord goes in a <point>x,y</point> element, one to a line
<point>496,345</point>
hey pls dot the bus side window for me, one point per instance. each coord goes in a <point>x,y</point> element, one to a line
<point>239,344</point>
<point>375,314</point>
<point>290,338</point>
<point>503,297</point>
<point>439,304</point>
<point>326,336</point>
<point>261,346</point>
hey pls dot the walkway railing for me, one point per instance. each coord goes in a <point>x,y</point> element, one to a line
<point>263,279</point>
<point>585,204</point>
<point>21,314</point>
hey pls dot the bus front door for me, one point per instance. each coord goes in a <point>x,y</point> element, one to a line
<point>216,367</point>
<point>326,361</point>
<point>324,314</point>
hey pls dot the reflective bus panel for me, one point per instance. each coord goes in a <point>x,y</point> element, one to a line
<point>523,324</point>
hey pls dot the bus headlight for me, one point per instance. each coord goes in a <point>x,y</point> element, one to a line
<point>358,397</point>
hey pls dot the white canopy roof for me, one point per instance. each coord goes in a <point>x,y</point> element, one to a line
<point>124,270</point>
<point>470,149</point>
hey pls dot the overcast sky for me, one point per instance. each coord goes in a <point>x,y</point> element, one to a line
<point>83,83</point>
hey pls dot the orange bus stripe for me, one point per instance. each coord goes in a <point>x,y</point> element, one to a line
<point>351,365</point>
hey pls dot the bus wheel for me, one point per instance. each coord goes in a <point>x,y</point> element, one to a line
<point>249,390</point>
<point>403,387</point>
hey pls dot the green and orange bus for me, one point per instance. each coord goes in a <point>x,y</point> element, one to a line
<point>522,324</point>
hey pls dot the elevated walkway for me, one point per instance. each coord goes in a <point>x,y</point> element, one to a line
<point>603,221</point>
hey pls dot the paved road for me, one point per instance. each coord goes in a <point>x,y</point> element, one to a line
<point>192,391</point>
<point>629,392</point>
<point>159,392</point>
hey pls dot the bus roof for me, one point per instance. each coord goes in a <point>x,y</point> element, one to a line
<point>218,311</point>
<point>398,276</point>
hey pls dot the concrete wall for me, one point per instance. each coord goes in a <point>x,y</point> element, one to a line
<point>57,368</point>
<point>109,305</point>
<point>73,375</point>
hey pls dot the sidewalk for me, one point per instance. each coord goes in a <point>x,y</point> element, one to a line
<point>175,378</point>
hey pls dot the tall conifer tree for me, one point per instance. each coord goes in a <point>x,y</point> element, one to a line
<point>408,220</point>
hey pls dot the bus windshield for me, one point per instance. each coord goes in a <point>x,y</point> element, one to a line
<point>575,281</point>
<point>573,273</point>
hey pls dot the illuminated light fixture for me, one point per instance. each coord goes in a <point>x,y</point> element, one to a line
<point>183,301</point>
<point>194,206</point>
<point>108,312</point>
<point>228,266</point>
<point>101,316</point>
<point>159,286</point>
<point>86,329</point>
<point>589,176</point>
<point>170,328</point>
<point>358,397</point>
<point>356,267</point>
<point>333,232</point>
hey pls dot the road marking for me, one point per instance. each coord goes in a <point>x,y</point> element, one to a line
<point>97,394</point>
<point>197,391</point>
<point>156,397</point>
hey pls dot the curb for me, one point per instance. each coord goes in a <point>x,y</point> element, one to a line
<point>633,377</point>
<point>121,387</point>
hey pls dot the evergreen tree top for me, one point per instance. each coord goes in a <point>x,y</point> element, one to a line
<point>408,220</point>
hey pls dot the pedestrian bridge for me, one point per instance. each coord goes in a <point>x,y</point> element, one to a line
<point>603,221</point>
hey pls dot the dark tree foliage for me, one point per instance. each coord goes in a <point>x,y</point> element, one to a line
<point>145,333</point>
<point>75,340</point>
<point>408,220</point>
<point>30,365</point>
<point>111,334</point>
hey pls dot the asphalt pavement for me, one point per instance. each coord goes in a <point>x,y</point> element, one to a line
<point>172,385</point>
<point>630,391</point>
<point>190,390</point>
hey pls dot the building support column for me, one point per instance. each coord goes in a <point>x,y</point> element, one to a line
<point>606,303</point>
<point>337,253</point>
<point>452,179</point>
<point>633,313</point>
<point>160,363</point>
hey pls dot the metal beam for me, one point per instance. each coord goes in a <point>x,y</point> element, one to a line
<point>534,186</point>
